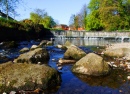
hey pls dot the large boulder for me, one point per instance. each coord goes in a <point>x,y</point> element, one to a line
<point>38,55</point>
<point>74,52</point>
<point>91,64</point>
<point>118,52</point>
<point>22,76</point>
<point>114,52</point>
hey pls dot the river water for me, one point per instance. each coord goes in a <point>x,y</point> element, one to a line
<point>114,83</point>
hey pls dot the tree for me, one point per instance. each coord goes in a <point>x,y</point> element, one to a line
<point>79,20</point>
<point>115,14</point>
<point>109,15</point>
<point>94,5</point>
<point>76,22</point>
<point>41,17</point>
<point>93,21</point>
<point>9,6</point>
<point>48,22</point>
<point>37,15</point>
<point>84,15</point>
<point>71,21</point>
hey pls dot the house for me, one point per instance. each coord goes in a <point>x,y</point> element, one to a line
<point>78,29</point>
<point>62,26</point>
<point>3,15</point>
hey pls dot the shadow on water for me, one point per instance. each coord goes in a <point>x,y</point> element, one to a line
<point>115,79</point>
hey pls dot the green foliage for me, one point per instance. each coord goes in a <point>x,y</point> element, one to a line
<point>109,15</point>
<point>94,5</point>
<point>48,22</point>
<point>35,18</point>
<point>93,21</point>
<point>41,17</point>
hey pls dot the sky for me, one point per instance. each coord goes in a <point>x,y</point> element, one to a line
<point>59,10</point>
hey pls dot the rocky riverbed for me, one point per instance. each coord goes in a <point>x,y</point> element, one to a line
<point>115,82</point>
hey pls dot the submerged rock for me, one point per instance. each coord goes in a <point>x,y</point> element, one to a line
<point>34,56</point>
<point>19,76</point>
<point>91,64</point>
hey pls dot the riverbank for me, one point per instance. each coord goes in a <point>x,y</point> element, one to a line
<point>118,45</point>
<point>11,30</point>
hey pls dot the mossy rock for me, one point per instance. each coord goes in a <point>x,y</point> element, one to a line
<point>21,76</point>
<point>91,64</point>
<point>34,56</point>
<point>74,52</point>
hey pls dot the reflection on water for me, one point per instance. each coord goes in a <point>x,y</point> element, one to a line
<point>114,83</point>
<point>114,80</point>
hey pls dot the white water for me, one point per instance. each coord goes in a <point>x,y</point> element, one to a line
<point>88,42</point>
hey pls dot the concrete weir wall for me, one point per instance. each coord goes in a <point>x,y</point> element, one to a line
<point>85,34</point>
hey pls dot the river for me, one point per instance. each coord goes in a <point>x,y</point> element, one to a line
<point>114,83</point>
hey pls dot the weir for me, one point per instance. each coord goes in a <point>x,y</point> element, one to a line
<point>85,34</point>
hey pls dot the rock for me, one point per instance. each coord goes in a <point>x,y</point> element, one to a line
<point>61,47</point>
<point>33,47</point>
<point>68,44</point>
<point>34,56</point>
<point>91,64</point>
<point>19,76</point>
<point>118,45</point>
<point>74,52</point>
<point>65,46</point>
<point>128,77</point>
<point>12,92</point>
<point>64,61</point>
<point>25,49</point>
<point>118,52</point>
<point>3,58</point>
<point>49,43</point>
<point>9,44</point>
<point>59,67</point>
<point>42,43</point>
<point>114,52</point>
